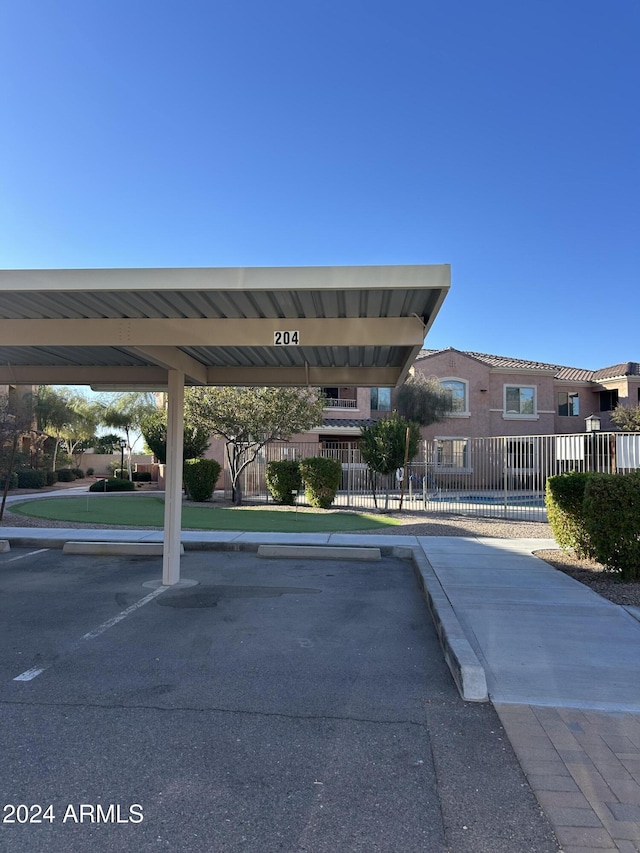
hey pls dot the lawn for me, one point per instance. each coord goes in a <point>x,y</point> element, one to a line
<point>118,510</point>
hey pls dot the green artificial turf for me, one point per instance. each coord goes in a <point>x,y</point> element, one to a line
<point>136,511</point>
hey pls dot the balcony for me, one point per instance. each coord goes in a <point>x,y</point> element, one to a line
<point>339,403</point>
<point>340,398</point>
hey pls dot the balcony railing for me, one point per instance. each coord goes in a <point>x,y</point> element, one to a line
<point>335,403</point>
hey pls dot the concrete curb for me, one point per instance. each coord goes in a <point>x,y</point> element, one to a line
<point>468,673</point>
<point>4,546</point>
<point>116,549</point>
<point>633,611</point>
<point>320,552</point>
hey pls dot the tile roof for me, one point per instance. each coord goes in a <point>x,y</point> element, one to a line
<point>576,374</point>
<point>628,368</point>
<point>332,423</point>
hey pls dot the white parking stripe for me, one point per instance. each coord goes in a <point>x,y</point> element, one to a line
<point>34,672</point>
<point>29,674</point>
<point>30,554</point>
<point>114,621</point>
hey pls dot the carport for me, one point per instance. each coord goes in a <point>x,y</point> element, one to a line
<point>162,329</point>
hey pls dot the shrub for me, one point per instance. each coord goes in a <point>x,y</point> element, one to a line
<point>89,472</point>
<point>321,476</point>
<point>112,484</point>
<point>79,473</point>
<point>13,481</point>
<point>66,475</point>
<point>200,477</point>
<point>565,510</point>
<point>284,481</point>
<point>141,476</point>
<point>120,473</point>
<point>29,478</point>
<point>612,514</point>
<point>52,478</point>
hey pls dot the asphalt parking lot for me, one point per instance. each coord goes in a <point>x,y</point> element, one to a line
<point>279,705</point>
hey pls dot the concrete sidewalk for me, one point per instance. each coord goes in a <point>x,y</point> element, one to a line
<point>563,670</point>
<point>562,666</point>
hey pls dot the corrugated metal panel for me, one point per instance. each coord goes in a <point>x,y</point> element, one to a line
<point>219,304</point>
<point>94,356</point>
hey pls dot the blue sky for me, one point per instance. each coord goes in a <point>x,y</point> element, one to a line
<point>500,137</point>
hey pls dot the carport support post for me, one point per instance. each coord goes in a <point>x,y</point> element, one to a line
<point>173,485</point>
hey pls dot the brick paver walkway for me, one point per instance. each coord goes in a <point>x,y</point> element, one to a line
<point>584,767</point>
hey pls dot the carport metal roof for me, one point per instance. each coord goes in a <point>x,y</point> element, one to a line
<point>128,327</point>
<point>155,328</point>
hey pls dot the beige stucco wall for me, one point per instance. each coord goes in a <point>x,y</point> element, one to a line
<point>100,461</point>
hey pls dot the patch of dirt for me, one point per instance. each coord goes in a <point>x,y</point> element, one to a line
<point>595,576</point>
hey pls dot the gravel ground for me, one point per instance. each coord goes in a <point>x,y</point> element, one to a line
<point>433,524</point>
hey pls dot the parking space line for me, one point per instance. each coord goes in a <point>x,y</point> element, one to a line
<point>30,554</point>
<point>29,674</point>
<point>123,615</point>
<point>34,672</point>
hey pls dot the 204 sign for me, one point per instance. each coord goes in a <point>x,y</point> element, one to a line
<point>286,339</point>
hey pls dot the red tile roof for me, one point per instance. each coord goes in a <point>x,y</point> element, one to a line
<point>576,374</point>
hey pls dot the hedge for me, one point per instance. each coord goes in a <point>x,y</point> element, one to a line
<point>112,484</point>
<point>141,476</point>
<point>284,481</point>
<point>200,477</point>
<point>612,515</point>
<point>598,515</point>
<point>13,481</point>
<point>52,478</point>
<point>321,477</point>
<point>29,478</point>
<point>66,475</point>
<point>565,510</point>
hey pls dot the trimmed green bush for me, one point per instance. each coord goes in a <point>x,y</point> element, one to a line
<point>612,521</point>
<point>565,510</point>
<point>13,481</point>
<point>321,477</point>
<point>200,477</point>
<point>284,481</point>
<point>52,478</point>
<point>29,478</point>
<point>66,475</point>
<point>141,476</point>
<point>112,484</point>
<point>79,473</point>
<point>89,472</point>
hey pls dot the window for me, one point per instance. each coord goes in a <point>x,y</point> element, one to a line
<point>381,399</point>
<point>457,391</point>
<point>568,404</point>
<point>608,400</point>
<point>452,453</point>
<point>519,400</point>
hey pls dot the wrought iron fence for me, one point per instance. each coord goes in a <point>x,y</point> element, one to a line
<point>502,477</point>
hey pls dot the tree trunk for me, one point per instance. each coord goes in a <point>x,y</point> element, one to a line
<point>8,474</point>
<point>406,468</point>
<point>55,454</point>
<point>373,489</point>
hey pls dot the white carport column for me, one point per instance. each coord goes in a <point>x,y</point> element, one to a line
<point>173,485</point>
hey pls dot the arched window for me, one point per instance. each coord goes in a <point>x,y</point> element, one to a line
<point>457,388</point>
